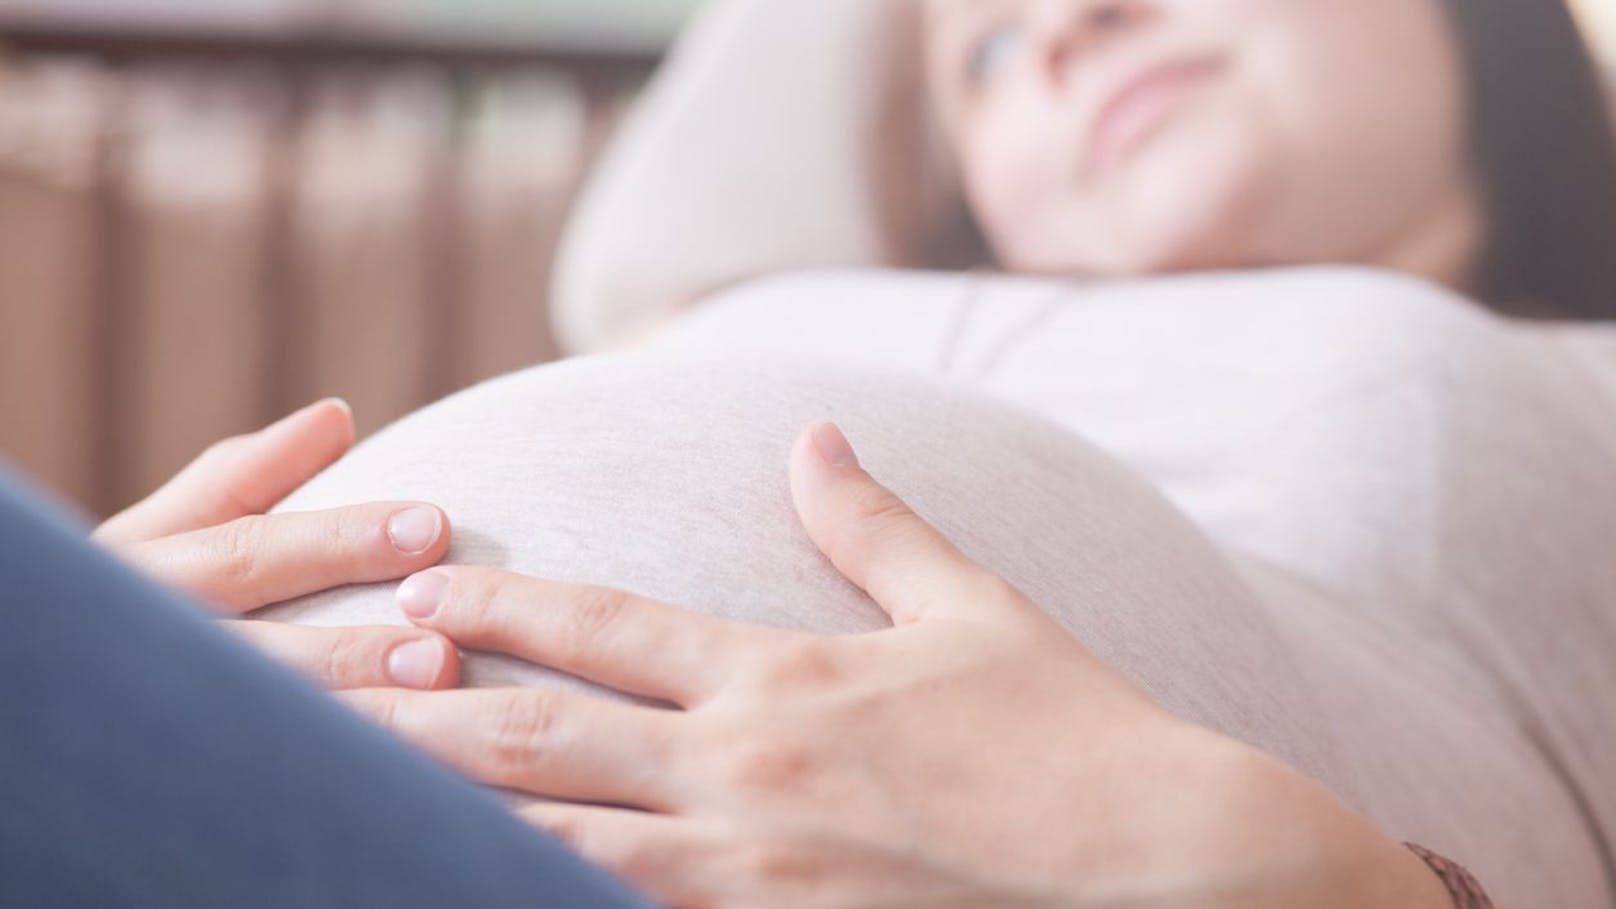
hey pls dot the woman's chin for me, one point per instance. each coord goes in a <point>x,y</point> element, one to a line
<point>1189,199</point>
<point>1186,205</point>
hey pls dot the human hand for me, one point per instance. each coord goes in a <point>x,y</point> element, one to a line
<point>206,532</point>
<point>974,754</point>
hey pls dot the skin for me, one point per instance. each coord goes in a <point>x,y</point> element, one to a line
<point>207,533</point>
<point>790,770</point>
<point>719,798</point>
<point>1326,131</point>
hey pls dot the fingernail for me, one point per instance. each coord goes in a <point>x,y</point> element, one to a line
<point>415,530</point>
<point>416,664</point>
<point>833,447</point>
<point>420,596</point>
<point>302,412</point>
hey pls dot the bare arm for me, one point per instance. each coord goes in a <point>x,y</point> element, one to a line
<point>749,157</point>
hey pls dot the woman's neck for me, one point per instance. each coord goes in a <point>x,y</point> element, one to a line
<point>1445,246</point>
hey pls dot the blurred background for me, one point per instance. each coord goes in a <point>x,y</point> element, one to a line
<point>211,213</point>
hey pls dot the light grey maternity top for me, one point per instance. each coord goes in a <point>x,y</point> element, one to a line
<point>1343,516</point>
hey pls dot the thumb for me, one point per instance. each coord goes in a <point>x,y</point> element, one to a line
<point>876,540</point>
<point>241,476</point>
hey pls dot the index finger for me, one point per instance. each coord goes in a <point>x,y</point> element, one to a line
<point>265,559</point>
<point>627,643</point>
<point>876,540</point>
<point>241,476</point>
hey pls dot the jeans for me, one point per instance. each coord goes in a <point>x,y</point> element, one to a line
<point>149,759</point>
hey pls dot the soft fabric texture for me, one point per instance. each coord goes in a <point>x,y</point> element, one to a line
<point>1394,573</point>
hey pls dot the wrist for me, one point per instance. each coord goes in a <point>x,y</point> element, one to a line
<point>1414,885</point>
<point>1462,888</point>
<point>1320,853</point>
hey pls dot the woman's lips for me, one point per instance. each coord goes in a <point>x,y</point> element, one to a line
<point>1141,105</point>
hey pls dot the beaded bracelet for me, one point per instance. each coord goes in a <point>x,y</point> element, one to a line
<point>1466,892</point>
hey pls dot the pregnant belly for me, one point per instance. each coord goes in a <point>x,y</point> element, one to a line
<point>666,476</point>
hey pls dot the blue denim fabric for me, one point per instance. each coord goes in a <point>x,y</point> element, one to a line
<point>148,759</point>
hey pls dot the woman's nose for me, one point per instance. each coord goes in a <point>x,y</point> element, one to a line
<point>1067,31</point>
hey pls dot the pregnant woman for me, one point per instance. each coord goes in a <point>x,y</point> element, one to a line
<point>1338,580</point>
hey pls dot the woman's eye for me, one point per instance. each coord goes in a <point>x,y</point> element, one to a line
<point>994,52</point>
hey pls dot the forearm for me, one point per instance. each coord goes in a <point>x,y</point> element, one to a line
<point>656,228</point>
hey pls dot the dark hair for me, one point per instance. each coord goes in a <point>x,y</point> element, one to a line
<point>1544,149</point>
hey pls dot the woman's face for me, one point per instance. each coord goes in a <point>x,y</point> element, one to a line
<point>1138,136</point>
